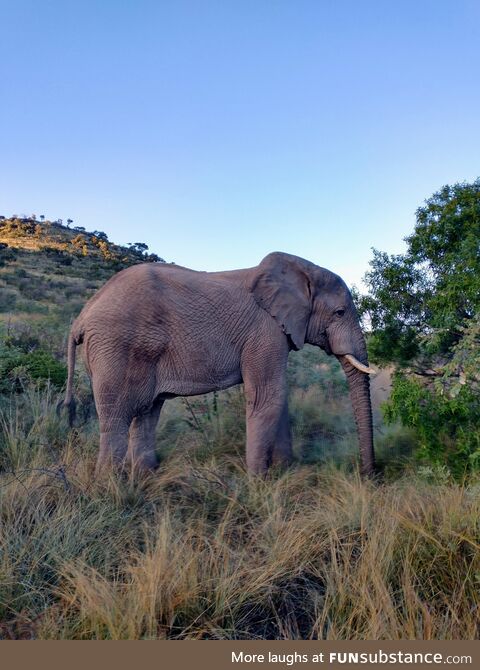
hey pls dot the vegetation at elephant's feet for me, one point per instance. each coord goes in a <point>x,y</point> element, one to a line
<point>424,311</point>
<point>199,550</point>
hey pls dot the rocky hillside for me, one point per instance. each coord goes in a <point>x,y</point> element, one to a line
<point>48,271</point>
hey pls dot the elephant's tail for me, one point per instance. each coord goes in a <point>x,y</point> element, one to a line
<point>69,400</point>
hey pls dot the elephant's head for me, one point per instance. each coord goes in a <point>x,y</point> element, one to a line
<point>313,305</point>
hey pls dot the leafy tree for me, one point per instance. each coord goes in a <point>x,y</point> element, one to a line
<point>139,248</point>
<point>153,258</point>
<point>100,234</point>
<point>424,311</point>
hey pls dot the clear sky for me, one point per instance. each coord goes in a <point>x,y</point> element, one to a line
<point>219,131</point>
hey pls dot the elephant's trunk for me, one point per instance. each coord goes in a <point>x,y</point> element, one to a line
<point>359,385</point>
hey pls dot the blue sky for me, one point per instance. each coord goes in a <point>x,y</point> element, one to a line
<point>219,131</point>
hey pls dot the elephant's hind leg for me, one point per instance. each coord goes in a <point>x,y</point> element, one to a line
<point>113,442</point>
<point>141,443</point>
<point>115,414</point>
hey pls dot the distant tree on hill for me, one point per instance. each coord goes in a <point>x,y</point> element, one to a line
<point>154,258</point>
<point>69,222</point>
<point>42,217</point>
<point>101,235</point>
<point>138,247</point>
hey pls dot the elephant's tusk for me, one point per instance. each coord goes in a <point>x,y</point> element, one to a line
<point>360,366</point>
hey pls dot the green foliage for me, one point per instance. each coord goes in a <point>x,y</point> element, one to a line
<point>465,358</point>
<point>424,311</point>
<point>6,254</point>
<point>419,301</point>
<point>447,427</point>
<point>394,342</point>
<point>8,300</point>
<point>312,367</point>
<point>17,366</point>
<point>42,366</point>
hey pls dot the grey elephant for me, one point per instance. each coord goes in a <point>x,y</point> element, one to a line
<point>156,331</point>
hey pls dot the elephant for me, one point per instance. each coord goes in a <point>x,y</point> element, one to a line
<point>156,331</point>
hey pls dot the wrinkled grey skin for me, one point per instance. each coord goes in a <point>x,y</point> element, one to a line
<point>156,331</point>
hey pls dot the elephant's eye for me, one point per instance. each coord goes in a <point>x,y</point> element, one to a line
<point>340,312</point>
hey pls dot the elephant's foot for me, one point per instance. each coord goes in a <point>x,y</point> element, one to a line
<point>282,456</point>
<point>145,464</point>
<point>258,461</point>
<point>113,449</point>
<point>106,465</point>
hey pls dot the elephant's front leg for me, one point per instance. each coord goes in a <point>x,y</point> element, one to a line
<point>265,407</point>
<point>282,450</point>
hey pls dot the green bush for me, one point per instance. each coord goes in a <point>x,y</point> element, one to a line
<point>38,365</point>
<point>424,311</point>
<point>8,300</point>
<point>446,425</point>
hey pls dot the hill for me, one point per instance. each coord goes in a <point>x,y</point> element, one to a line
<point>48,271</point>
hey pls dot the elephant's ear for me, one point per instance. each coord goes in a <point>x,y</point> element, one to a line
<point>281,285</point>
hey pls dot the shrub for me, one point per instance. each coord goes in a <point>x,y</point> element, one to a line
<point>8,299</point>
<point>447,427</point>
<point>38,365</point>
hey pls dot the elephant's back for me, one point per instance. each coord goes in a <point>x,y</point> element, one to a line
<point>151,310</point>
<point>136,282</point>
<point>161,297</point>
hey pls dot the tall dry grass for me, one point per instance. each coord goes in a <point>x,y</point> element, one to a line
<point>200,550</point>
